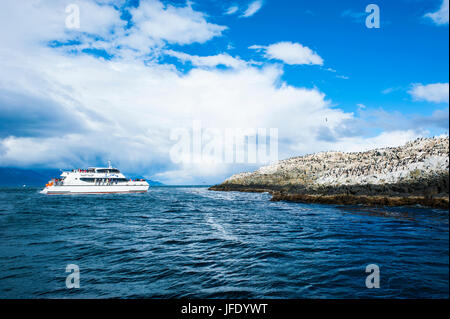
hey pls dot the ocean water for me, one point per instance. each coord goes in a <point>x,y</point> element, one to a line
<point>190,242</point>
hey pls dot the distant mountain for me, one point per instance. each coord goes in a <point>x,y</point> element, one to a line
<point>11,176</point>
<point>155,183</point>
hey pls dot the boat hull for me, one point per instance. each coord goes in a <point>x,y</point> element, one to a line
<point>94,189</point>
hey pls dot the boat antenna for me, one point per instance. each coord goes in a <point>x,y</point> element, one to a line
<point>109,164</point>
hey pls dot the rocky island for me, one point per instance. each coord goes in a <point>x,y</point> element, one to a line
<point>416,173</point>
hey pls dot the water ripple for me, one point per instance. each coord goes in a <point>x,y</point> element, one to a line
<point>191,242</point>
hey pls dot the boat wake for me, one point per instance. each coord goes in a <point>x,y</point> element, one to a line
<point>221,231</point>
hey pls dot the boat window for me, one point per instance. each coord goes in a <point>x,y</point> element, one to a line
<point>92,180</point>
<point>108,170</point>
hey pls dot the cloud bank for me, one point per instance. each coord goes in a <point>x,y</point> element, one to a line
<point>63,106</point>
<point>437,92</point>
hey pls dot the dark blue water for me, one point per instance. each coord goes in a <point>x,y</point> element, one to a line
<point>191,242</point>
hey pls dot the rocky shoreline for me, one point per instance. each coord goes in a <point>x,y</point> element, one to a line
<point>414,174</point>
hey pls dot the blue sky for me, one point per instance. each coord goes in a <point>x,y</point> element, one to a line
<point>408,48</point>
<point>134,71</point>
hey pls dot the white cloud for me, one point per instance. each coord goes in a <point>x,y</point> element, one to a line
<point>232,10</point>
<point>180,25</point>
<point>154,25</point>
<point>98,19</point>
<point>356,16</point>
<point>437,92</point>
<point>253,7</point>
<point>290,53</point>
<point>208,61</point>
<point>441,16</point>
<point>392,89</point>
<point>36,22</point>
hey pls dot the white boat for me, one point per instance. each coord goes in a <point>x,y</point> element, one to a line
<point>94,180</point>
